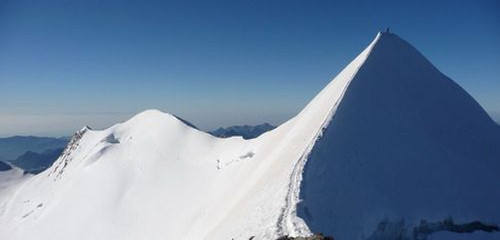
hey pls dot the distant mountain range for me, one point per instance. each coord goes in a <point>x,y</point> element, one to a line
<point>245,131</point>
<point>495,115</point>
<point>33,162</point>
<point>30,153</point>
<point>4,166</point>
<point>13,147</point>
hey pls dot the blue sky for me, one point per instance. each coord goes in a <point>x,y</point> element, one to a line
<point>66,64</point>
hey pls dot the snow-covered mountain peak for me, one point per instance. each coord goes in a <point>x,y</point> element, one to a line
<point>84,129</point>
<point>405,144</point>
<point>152,116</point>
<point>156,120</point>
<point>390,139</point>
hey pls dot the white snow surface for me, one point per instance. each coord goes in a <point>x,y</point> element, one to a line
<point>154,177</point>
<point>407,144</point>
<point>10,179</point>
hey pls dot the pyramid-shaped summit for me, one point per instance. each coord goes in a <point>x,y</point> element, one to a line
<point>405,145</point>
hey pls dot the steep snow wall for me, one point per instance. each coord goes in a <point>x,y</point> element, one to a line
<point>406,143</point>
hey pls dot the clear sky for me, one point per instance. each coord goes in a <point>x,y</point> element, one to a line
<point>66,64</point>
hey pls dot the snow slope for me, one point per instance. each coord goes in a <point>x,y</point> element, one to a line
<point>154,177</point>
<point>406,143</point>
<point>10,179</point>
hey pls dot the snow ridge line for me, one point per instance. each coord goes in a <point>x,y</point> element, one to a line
<point>288,222</point>
<point>66,156</point>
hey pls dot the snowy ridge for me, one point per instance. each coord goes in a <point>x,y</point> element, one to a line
<point>156,177</point>
<point>289,223</point>
<point>66,156</point>
<point>406,145</point>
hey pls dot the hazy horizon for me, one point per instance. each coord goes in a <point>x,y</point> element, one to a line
<point>66,65</point>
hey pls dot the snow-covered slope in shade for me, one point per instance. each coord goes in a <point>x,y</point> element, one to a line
<point>406,144</point>
<point>154,177</point>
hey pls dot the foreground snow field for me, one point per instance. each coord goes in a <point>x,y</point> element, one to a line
<point>389,139</point>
